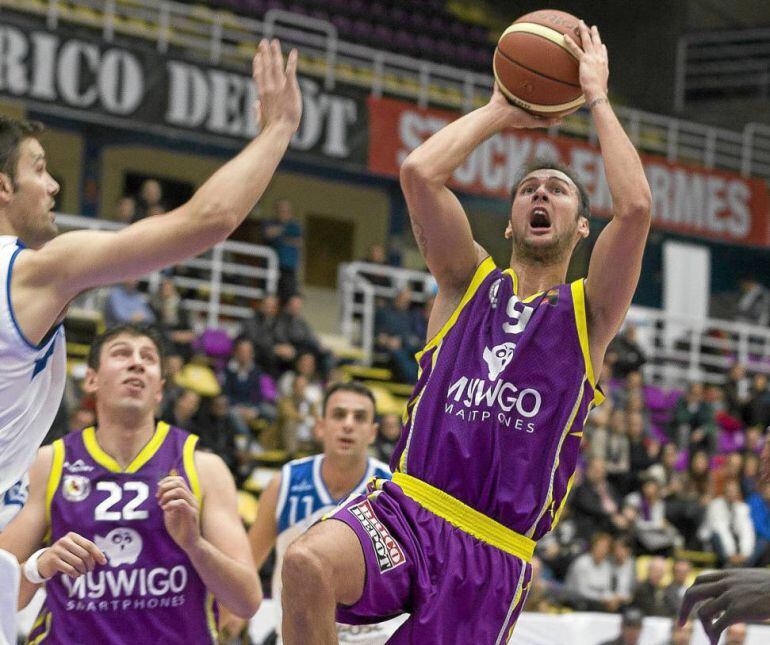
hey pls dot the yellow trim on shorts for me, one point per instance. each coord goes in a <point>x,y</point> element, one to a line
<point>581,322</point>
<point>482,271</point>
<point>465,518</point>
<point>54,479</point>
<point>189,466</point>
<point>145,454</point>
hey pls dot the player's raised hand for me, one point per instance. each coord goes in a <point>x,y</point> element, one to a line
<point>72,555</point>
<point>593,59</point>
<point>512,116</point>
<point>181,513</point>
<point>279,99</point>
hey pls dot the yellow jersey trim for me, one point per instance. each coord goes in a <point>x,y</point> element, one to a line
<point>109,462</point>
<point>188,453</point>
<point>581,322</point>
<point>54,479</point>
<point>515,279</point>
<point>464,517</point>
<point>482,271</point>
<point>45,632</point>
<point>211,619</point>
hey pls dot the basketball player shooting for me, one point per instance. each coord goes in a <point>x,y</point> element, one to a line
<point>493,428</point>
<point>41,273</point>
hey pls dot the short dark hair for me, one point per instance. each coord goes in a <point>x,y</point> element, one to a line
<point>129,329</point>
<point>12,133</point>
<point>584,207</point>
<point>352,386</point>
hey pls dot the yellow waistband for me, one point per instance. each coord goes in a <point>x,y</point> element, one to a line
<point>464,517</point>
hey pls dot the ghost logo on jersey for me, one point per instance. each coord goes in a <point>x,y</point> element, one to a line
<point>77,466</point>
<point>121,546</point>
<point>75,488</point>
<point>498,358</point>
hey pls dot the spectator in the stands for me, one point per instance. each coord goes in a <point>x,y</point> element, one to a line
<point>243,386</point>
<point>125,303</point>
<point>728,527</point>
<point>172,318</point>
<point>688,495</point>
<point>394,334</point>
<point>305,364</point>
<point>559,547</point>
<point>597,428</point>
<point>125,210</point>
<point>680,634</point>
<point>589,578</point>
<point>273,352</point>
<point>150,199</point>
<point>541,597</point>
<point>217,430</point>
<point>375,254</point>
<point>623,566</point>
<point>595,503</point>
<point>630,628</point>
<point>183,411</point>
<point>756,412</point>
<point>750,473</point>
<point>420,318</point>
<point>297,416</point>
<point>292,327</point>
<point>759,507</point>
<point>650,594</point>
<point>629,356</point>
<point>642,450</point>
<point>283,233</point>
<point>650,529</point>
<point>692,424</point>
<point>680,581</point>
<point>616,452</point>
<point>729,467</point>
<point>388,434</point>
<point>754,302</point>
<point>631,384</point>
<point>171,389</point>
<point>737,391</point>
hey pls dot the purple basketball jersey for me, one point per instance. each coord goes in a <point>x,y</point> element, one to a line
<point>497,414</point>
<point>148,592</point>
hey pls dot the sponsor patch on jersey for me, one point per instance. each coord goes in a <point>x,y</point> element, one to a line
<point>77,466</point>
<point>388,551</point>
<point>75,488</point>
<point>493,291</point>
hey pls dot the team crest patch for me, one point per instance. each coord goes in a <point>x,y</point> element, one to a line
<point>75,488</point>
<point>389,553</point>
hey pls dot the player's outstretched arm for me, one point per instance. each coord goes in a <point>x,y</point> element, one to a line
<point>439,222</point>
<point>81,260</point>
<point>213,536</point>
<point>617,257</point>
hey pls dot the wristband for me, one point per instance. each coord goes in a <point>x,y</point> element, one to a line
<point>30,570</point>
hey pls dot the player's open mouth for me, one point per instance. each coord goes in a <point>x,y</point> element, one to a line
<point>347,443</point>
<point>539,220</point>
<point>134,382</point>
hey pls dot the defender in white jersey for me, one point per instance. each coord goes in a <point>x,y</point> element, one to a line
<point>307,489</point>
<point>41,273</point>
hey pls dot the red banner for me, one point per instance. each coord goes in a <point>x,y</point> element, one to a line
<point>693,201</point>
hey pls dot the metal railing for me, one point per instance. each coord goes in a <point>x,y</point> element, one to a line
<point>358,297</point>
<point>679,349</point>
<point>219,284</point>
<point>222,38</point>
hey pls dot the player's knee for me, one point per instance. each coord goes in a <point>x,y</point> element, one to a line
<point>303,569</point>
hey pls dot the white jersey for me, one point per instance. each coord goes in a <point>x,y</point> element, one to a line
<point>32,379</point>
<point>302,501</point>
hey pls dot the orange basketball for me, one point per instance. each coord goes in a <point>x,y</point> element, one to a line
<point>533,66</point>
